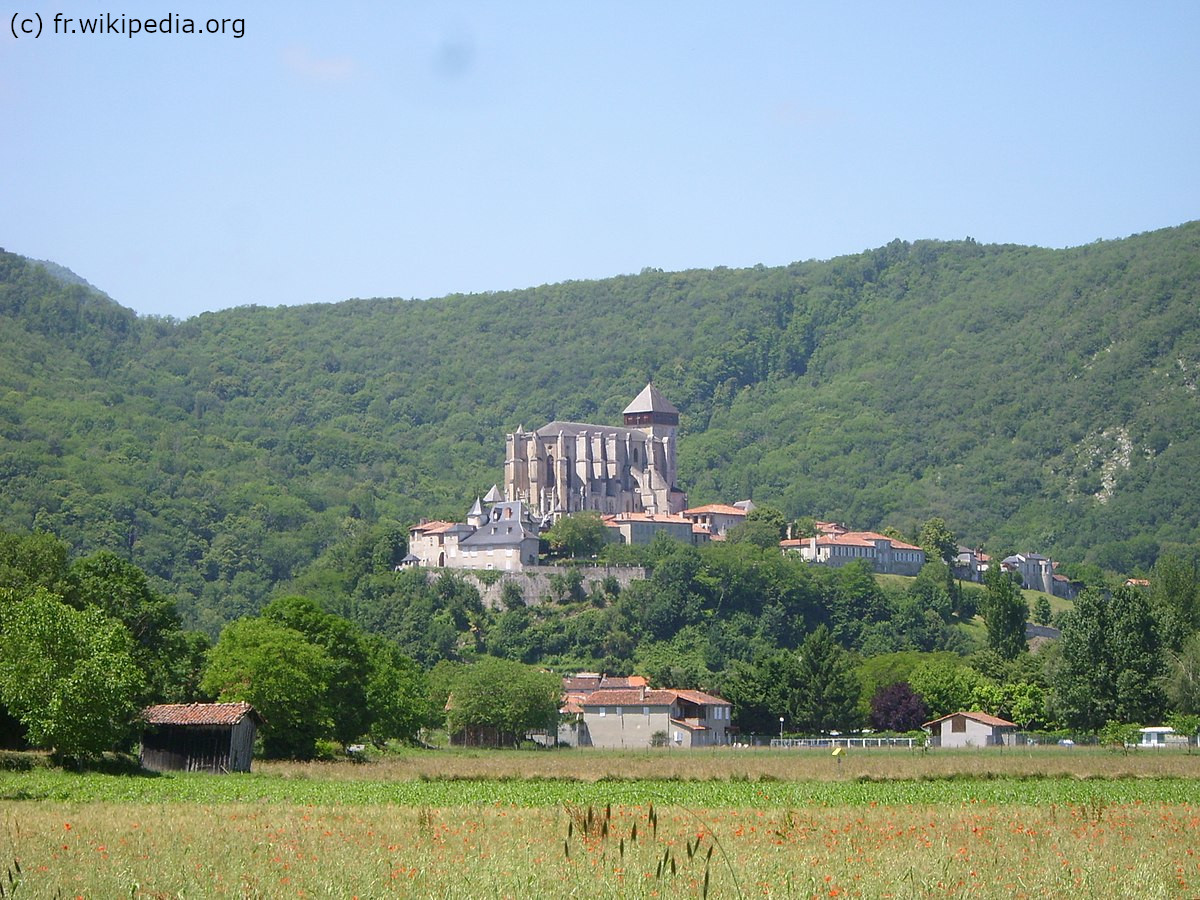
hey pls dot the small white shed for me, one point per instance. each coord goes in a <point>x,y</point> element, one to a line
<point>970,729</point>
<point>1158,736</point>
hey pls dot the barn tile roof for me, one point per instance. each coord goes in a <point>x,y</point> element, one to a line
<point>198,713</point>
<point>981,717</point>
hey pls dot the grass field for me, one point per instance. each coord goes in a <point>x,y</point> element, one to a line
<point>1045,822</point>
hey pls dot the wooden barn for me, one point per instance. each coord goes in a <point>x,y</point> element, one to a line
<point>199,737</point>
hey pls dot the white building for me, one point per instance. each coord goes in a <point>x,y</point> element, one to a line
<point>498,534</point>
<point>970,729</point>
<point>717,518</point>
<point>886,555</point>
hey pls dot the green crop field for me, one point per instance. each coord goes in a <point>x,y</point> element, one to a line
<point>1040,823</point>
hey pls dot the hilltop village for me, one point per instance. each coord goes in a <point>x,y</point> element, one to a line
<point>627,476</point>
<point>624,479</point>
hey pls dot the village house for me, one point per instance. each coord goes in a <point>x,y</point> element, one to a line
<point>641,528</point>
<point>717,518</point>
<point>498,534</point>
<point>970,729</point>
<point>970,564</point>
<point>1036,571</point>
<point>638,717</point>
<point>888,556</point>
<point>199,737</point>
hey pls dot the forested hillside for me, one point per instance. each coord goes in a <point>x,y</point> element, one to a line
<point>1034,399</point>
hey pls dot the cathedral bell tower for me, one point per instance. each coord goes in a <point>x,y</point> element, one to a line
<point>656,417</point>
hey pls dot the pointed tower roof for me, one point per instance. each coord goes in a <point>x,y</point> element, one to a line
<point>650,400</point>
<point>476,509</point>
<point>650,408</point>
<point>494,495</point>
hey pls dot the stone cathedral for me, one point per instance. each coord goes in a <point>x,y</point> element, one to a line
<point>567,467</point>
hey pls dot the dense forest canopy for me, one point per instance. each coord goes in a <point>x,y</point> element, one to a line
<point>1034,399</point>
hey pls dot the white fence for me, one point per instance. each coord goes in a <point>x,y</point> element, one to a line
<point>864,743</point>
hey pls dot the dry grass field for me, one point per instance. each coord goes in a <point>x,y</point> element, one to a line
<point>755,764</point>
<point>978,824</point>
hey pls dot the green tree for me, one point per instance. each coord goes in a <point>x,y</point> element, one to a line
<point>947,686</point>
<point>1187,725</point>
<point>350,666</point>
<point>580,535</point>
<point>1042,613</point>
<point>938,541</point>
<point>511,595</point>
<point>1005,613</point>
<point>830,697</point>
<point>504,698</point>
<point>1110,662</point>
<point>32,560</point>
<point>121,591</point>
<point>397,695</point>
<point>762,692</point>
<point>764,527</point>
<point>282,674</point>
<point>67,675</point>
<point>1183,677</point>
<point>1175,589</point>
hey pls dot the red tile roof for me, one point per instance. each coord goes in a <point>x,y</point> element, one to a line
<point>848,539</point>
<point>863,539</point>
<point>585,682</point>
<point>646,517</point>
<point>660,697</point>
<point>981,717</point>
<point>624,681</point>
<point>703,698</point>
<point>630,697</point>
<point>198,713</point>
<point>717,508</point>
<point>433,527</point>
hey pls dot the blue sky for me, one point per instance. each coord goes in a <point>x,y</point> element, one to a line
<point>415,150</point>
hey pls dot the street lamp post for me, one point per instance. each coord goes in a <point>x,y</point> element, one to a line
<point>781,728</point>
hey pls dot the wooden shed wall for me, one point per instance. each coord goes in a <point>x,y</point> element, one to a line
<point>199,748</point>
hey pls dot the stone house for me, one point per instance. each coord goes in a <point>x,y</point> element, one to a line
<point>498,534</point>
<point>970,564</point>
<point>716,518</point>
<point>1036,571</point>
<point>640,528</point>
<point>644,717</point>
